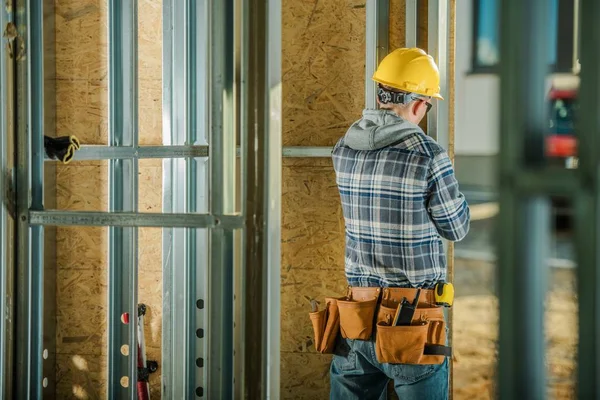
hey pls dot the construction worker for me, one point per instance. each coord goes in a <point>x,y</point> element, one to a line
<point>399,197</point>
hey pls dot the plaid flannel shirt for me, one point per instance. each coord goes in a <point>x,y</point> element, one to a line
<point>398,203</point>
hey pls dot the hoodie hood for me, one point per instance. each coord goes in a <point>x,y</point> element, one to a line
<point>378,129</point>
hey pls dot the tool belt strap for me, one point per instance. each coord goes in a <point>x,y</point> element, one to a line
<point>437,350</point>
<point>391,294</point>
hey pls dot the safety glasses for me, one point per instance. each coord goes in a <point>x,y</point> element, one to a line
<point>427,104</point>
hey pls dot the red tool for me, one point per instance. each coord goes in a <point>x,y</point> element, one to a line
<point>145,368</point>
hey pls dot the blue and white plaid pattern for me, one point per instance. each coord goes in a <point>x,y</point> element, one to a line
<point>398,202</point>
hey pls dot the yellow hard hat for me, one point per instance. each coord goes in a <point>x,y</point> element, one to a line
<point>410,70</point>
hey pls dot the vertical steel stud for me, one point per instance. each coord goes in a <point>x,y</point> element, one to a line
<point>411,23</point>
<point>378,22</point>
<point>30,118</point>
<point>222,198</point>
<point>437,39</point>
<point>588,204</point>
<point>123,193</point>
<point>7,199</point>
<point>262,274</point>
<point>523,223</point>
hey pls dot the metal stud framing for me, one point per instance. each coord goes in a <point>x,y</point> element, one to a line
<point>261,329</point>
<point>377,32</point>
<point>438,118</point>
<point>523,222</point>
<point>191,115</point>
<point>184,189</point>
<point>588,204</point>
<point>437,39</point>
<point>7,199</point>
<point>123,196</point>
<point>29,181</point>
<point>411,23</point>
<point>183,108</point>
<point>222,141</point>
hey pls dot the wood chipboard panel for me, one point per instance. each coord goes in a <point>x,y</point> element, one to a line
<point>323,68</point>
<point>397,24</point>
<point>312,268</point>
<point>82,276</point>
<point>304,376</point>
<point>323,92</point>
<point>323,76</point>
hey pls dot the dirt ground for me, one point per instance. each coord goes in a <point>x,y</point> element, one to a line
<point>475,344</point>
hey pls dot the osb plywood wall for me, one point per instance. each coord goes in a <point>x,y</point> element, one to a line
<point>323,93</point>
<point>82,110</point>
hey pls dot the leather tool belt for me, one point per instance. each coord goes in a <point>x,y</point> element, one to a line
<point>369,311</point>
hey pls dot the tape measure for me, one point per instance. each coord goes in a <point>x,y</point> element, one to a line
<point>444,294</point>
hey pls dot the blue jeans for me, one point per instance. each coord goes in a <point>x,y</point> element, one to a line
<point>356,374</point>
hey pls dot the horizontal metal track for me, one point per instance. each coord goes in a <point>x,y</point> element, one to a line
<point>97,218</point>
<point>140,152</point>
<point>490,257</point>
<point>307,151</point>
<point>550,181</point>
<point>96,152</point>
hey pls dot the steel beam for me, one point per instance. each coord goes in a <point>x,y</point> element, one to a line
<point>123,193</point>
<point>49,193</point>
<point>241,53</point>
<point>36,186</point>
<point>30,277</point>
<point>133,219</point>
<point>87,153</point>
<point>588,206</point>
<point>261,335</point>
<point>175,245</point>
<point>184,267</point>
<point>576,35</point>
<point>7,200</point>
<point>196,199</point>
<point>221,106</point>
<point>307,151</point>
<point>272,196</point>
<point>550,181</point>
<point>377,37</point>
<point>140,152</point>
<point>524,218</point>
<point>437,38</point>
<point>411,23</point>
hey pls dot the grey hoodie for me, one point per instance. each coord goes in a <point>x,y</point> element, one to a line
<point>378,129</point>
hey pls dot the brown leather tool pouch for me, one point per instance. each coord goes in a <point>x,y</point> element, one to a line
<point>356,318</point>
<point>401,344</point>
<point>434,333</point>
<point>326,325</point>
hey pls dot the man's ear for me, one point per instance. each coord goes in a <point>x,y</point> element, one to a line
<point>414,109</point>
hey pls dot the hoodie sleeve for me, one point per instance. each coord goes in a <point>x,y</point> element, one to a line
<point>446,205</point>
